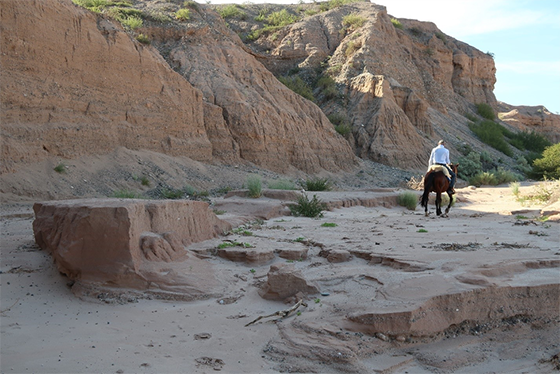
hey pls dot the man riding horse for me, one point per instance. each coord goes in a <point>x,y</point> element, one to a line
<point>440,156</point>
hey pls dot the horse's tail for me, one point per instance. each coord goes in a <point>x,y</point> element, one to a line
<point>428,183</point>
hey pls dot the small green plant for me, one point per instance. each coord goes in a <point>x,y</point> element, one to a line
<point>60,168</point>
<point>144,181</point>
<point>408,199</point>
<point>191,4</point>
<point>485,111</point>
<point>252,271</point>
<point>317,184</point>
<point>234,244</point>
<point>157,16</point>
<point>254,185</point>
<point>297,85</point>
<point>299,239</point>
<point>317,301</point>
<point>422,230</point>
<point>231,11</point>
<point>131,22</point>
<point>282,184</point>
<point>218,212</point>
<point>241,231</point>
<point>125,194</point>
<point>308,208</point>
<point>515,188</point>
<point>352,47</point>
<point>519,216</point>
<point>183,14</point>
<point>143,39</point>
<point>329,224</point>
<point>172,194</point>
<point>396,23</point>
<point>353,20</point>
<point>281,18</point>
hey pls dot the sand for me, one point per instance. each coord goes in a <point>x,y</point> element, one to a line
<point>489,241</point>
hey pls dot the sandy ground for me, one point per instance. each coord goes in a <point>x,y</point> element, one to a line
<point>488,241</point>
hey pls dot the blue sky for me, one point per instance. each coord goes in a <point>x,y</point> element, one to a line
<point>523,35</point>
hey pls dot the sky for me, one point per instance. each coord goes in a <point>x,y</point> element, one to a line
<point>523,36</point>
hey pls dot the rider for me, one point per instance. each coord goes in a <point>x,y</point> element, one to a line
<point>440,156</point>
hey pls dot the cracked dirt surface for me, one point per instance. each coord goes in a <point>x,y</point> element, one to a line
<point>399,292</point>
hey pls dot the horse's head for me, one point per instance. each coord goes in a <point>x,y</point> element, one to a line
<point>454,167</point>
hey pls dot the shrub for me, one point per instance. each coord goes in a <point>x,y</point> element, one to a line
<point>131,22</point>
<point>143,39</point>
<point>172,194</point>
<point>191,4</point>
<point>231,11</point>
<point>254,185</point>
<point>548,166</point>
<point>158,16</point>
<point>485,111</point>
<point>308,208</point>
<point>282,184</point>
<point>327,85</point>
<point>332,4</point>
<point>408,199</point>
<point>352,47</point>
<point>317,184</point>
<point>60,168</point>
<point>353,20</point>
<point>492,134</point>
<point>281,18</point>
<point>493,178</point>
<point>396,23</point>
<point>297,85</point>
<point>92,5</point>
<point>183,14</point>
<point>529,140</point>
<point>470,166</point>
<point>145,181</point>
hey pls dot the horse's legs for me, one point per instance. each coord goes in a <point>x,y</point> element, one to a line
<point>450,201</point>
<point>438,203</point>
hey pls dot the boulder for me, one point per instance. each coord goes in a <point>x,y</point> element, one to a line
<point>127,243</point>
<point>285,281</point>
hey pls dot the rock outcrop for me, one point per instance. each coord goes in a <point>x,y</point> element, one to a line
<point>135,244</point>
<point>531,118</point>
<point>92,88</point>
<point>285,281</point>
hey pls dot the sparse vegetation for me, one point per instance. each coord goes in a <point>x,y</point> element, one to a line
<point>317,184</point>
<point>282,184</point>
<point>329,224</point>
<point>131,22</point>
<point>351,48</point>
<point>485,111</point>
<point>492,134</point>
<point>235,243</point>
<point>332,4</point>
<point>144,181</point>
<point>408,199</point>
<point>254,185</point>
<point>125,194</point>
<point>172,194</point>
<point>143,39</point>
<point>353,20</point>
<point>545,192</point>
<point>494,177</point>
<point>183,14</point>
<point>231,11</point>
<point>308,208</point>
<point>60,168</point>
<point>422,230</point>
<point>297,85</point>
<point>341,123</point>
<point>281,18</point>
<point>396,23</point>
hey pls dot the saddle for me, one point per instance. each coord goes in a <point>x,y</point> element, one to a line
<point>436,168</point>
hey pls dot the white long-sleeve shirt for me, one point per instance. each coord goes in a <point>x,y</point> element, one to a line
<point>439,155</point>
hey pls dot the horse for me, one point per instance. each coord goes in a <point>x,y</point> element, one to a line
<point>436,181</point>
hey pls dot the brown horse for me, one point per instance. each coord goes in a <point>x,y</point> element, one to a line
<point>436,181</point>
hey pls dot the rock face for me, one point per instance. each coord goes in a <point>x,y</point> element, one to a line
<point>530,118</point>
<point>137,244</point>
<point>93,88</point>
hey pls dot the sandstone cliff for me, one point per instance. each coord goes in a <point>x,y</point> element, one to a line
<point>89,87</point>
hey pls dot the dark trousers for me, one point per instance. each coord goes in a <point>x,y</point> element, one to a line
<point>453,176</point>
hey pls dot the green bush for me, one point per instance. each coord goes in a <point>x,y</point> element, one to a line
<point>485,111</point>
<point>60,168</point>
<point>492,134</point>
<point>308,208</point>
<point>548,166</point>
<point>183,14</point>
<point>281,18</point>
<point>143,39</point>
<point>352,47</point>
<point>470,166</point>
<point>131,22</point>
<point>353,20</point>
<point>297,85</point>
<point>396,23</point>
<point>172,194</point>
<point>317,184</point>
<point>530,141</point>
<point>408,199</point>
<point>254,185</point>
<point>495,177</point>
<point>282,184</point>
<point>231,11</point>
<point>332,4</point>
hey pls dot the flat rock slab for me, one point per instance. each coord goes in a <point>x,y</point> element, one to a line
<point>137,244</point>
